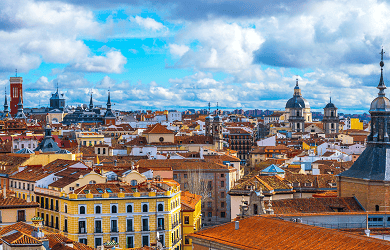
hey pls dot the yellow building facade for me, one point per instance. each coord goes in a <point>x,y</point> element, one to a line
<point>356,124</point>
<point>191,217</point>
<point>133,216</point>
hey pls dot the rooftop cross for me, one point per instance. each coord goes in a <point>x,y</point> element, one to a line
<point>381,85</point>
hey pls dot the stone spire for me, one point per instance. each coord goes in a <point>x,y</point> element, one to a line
<point>91,103</point>
<point>297,90</point>
<point>109,102</point>
<point>6,111</point>
<point>381,85</point>
<point>20,114</point>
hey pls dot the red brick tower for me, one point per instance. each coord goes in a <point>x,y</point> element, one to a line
<point>16,89</point>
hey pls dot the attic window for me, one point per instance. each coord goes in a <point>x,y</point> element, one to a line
<point>99,190</point>
<point>295,184</point>
<point>108,190</point>
<point>308,184</point>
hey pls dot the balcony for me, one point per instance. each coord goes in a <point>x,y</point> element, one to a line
<point>82,230</point>
<point>175,224</point>
<point>176,241</point>
<point>160,228</point>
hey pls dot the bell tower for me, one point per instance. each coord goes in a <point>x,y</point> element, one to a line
<point>16,92</point>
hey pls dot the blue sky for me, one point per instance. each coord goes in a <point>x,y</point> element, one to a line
<point>178,54</point>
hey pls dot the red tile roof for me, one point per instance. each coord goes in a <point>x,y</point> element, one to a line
<point>259,232</point>
<point>189,200</point>
<point>158,129</point>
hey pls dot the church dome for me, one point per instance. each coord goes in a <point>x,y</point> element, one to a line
<point>330,106</point>
<point>297,102</point>
<point>381,103</point>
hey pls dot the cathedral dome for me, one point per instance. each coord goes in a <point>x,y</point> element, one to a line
<point>330,106</point>
<point>381,103</point>
<point>297,102</point>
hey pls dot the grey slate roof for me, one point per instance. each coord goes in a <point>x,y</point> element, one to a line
<point>373,164</point>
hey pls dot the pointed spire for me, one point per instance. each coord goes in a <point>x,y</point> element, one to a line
<point>381,85</point>
<point>91,102</point>
<point>109,100</point>
<point>330,99</point>
<point>296,84</point>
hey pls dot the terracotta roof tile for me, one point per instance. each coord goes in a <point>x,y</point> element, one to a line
<point>158,129</point>
<point>259,232</point>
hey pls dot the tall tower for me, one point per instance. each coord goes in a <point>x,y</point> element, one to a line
<point>16,89</point>
<point>368,179</point>
<point>6,110</point>
<point>91,103</point>
<point>109,117</point>
<point>217,131</point>
<point>207,124</point>
<point>331,118</point>
<point>296,110</point>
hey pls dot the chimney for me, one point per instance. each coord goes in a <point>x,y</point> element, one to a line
<point>4,191</point>
<point>237,224</point>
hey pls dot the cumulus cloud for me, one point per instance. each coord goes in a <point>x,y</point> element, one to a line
<point>178,50</point>
<point>112,62</point>
<point>222,46</point>
<point>148,23</point>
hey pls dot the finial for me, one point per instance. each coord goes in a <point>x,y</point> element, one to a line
<point>296,84</point>
<point>209,108</point>
<point>16,72</point>
<point>330,96</point>
<point>381,85</point>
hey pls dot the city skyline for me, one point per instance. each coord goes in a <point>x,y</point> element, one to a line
<point>179,55</point>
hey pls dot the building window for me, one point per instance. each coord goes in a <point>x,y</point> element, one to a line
<point>223,215</point>
<point>222,204</point>
<point>160,207</point>
<point>160,223</point>
<point>115,239</point>
<point>98,242</point>
<point>21,215</point>
<point>186,220</point>
<point>83,240</point>
<point>186,241</point>
<point>222,194</point>
<point>222,184</point>
<point>66,225</point>
<point>209,214</point>
<point>114,226</point>
<point>66,208</point>
<point>145,240</point>
<point>98,226</point>
<point>376,207</point>
<point>222,175</point>
<point>57,224</point>
<point>114,209</point>
<point>209,204</point>
<point>175,176</point>
<point>133,182</point>
<point>129,224</point>
<point>130,242</point>
<point>82,210</point>
<point>145,224</point>
<point>145,208</point>
<point>185,176</point>
<point>82,227</point>
<point>129,208</point>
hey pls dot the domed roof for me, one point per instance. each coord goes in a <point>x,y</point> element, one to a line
<point>330,105</point>
<point>380,104</point>
<point>297,102</point>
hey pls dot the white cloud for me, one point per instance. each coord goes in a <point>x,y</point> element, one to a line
<point>112,62</point>
<point>178,50</point>
<point>222,46</point>
<point>149,23</point>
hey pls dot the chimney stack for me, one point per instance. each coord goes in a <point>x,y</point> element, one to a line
<point>237,224</point>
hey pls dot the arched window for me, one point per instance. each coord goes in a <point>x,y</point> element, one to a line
<point>145,208</point>
<point>92,182</point>
<point>129,208</point>
<point>331,113</point>
<point>82,209</point>
<point>114,209</point>
<point>98,210</point>
<point>133,182</point>
<point>160,207</point>
<point>376,207</point>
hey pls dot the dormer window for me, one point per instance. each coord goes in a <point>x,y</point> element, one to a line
<point>308,184</point>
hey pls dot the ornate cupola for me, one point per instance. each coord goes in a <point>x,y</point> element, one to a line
<point>369,176</point>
